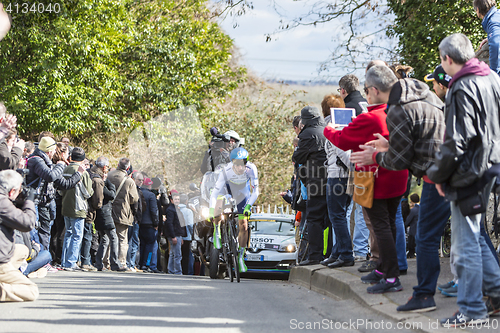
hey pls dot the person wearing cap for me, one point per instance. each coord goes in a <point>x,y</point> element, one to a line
<point>74,210</point>
<point>101,202</point>
<point>42,174</point>
<point>440,81</point>
<point>148,227</point>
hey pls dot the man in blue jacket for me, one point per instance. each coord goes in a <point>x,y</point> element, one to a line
<point>488,12</point>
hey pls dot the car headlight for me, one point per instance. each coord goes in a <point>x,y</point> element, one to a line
<point>287,248</point>
<point>205,212</point>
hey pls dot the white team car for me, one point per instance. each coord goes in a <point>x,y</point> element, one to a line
<point>272,243</point>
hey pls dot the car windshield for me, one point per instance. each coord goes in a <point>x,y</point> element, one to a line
<point>271,227</point>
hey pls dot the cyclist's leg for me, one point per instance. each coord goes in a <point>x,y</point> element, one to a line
<point>217,233</point>
<point>243,236</point>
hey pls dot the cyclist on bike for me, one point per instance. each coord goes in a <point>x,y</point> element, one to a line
<point>239,180</point>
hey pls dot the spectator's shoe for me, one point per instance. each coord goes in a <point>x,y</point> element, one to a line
<point>368,266</point>
<point>450,292</point>
<point>121,269</point>
<point>493,305</point>
<point>461,320</point>
<point>361,258</point>
<point>446,285</point>
<point>131,269</point>
<point>241,261</point>
<point>89,268</point>
<point>104,269</point>
<point>157,271</point>
<point>341,263</point>
<point>372,278</point>
<point>41,273</point>
<point>403,271</point>
<point>146,269</point>
<point>384,286</point>
<point>418,304</point>
<point>328,261</point>
<point>308,262</point>
<point>51,269</point>
<point>216,239</point>
<point>73,269</point>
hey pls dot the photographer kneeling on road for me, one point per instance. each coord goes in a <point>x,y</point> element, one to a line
<point>14,286</point>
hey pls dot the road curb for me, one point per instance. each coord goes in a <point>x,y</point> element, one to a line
<point>338,283</point>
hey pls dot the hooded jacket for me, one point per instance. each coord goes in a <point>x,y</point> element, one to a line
<point>310,153</point>
<point>388,184</point>
<point>415,121</point>
<point>491,25</point>
<point>12,218</point>
<point>472,142</point>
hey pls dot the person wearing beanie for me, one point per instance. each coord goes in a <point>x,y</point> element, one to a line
<point>42,174</point>
<point>74,210</point>
<point>310,155</point>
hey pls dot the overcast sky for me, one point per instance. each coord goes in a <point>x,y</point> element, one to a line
<point>291,55</point>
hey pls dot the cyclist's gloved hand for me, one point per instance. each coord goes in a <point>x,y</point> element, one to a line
<point>211,214</point>
<point>248,210</point>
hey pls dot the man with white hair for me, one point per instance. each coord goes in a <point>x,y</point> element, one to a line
<point>14,286</point>
<point>471,147</point>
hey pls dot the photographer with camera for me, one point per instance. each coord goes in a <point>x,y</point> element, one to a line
<point>219,148</point>
<point>14,286</point>
<point>41,177</point>
<point>11,151</point>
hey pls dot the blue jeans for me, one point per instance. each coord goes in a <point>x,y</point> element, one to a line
<point>154,258</point>
<point>337,203</point>
<point>133,244</point>
<point>86,244</point>
<point>401,240</point>
<point>147,236</point>
<point>361,232</point>
<point>433,214</point>
<point>42,259</point>
<point>72,241</point>
<point>476,267</point>
<point>175,257</point>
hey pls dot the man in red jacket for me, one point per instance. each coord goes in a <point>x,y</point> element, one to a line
<point>389,185</point>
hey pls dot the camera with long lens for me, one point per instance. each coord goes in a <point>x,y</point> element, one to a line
<point>218,140</point>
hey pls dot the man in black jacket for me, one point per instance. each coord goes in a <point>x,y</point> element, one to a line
<point>42,175</point>
<point>349,91</point>
<point>471,146</point>
<point>311,156</point>
<point>174,232</point>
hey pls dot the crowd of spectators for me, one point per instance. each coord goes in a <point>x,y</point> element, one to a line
<point>447,138</point>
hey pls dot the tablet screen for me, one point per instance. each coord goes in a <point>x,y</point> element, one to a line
<point>342,116</point>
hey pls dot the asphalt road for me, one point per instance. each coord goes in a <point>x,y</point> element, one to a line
<point>138,302</point>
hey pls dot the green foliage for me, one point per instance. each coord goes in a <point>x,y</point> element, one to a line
<point>421,25</point>
<point>102,65</point>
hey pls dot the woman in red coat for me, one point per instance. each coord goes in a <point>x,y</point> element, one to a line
<point>389,187</point>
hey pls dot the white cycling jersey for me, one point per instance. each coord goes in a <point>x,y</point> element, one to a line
<point>243,188</point>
